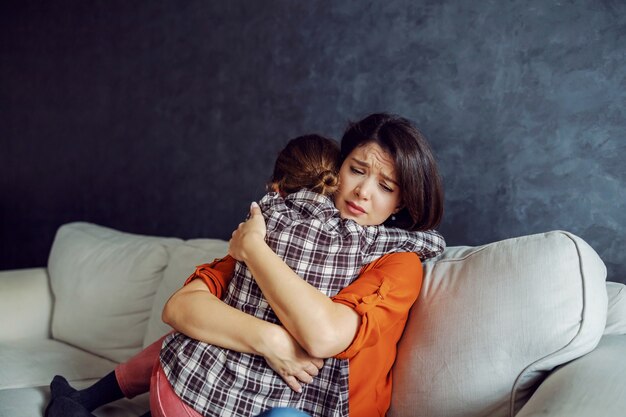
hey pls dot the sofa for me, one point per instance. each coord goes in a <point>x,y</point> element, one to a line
<point>526,326</point>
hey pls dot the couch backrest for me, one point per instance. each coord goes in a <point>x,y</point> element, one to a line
<point>183,261</point>
<point>104,282</point>
<point>109,287</point>
<point>492,320</point>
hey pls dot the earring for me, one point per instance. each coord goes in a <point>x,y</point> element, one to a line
<point>393,218</point>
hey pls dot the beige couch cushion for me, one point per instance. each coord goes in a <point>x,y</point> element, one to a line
<point>31,402</point>
<point>104,283</point>
<point>490,321</point>
<point>183,261</point>
<point>25,304</point>
<point>29,363</point>
<point>616,314</point>
<point>571,390</point>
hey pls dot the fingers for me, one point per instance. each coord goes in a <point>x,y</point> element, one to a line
<point>236,230</point>
<point>318,362</point>
<point>312,370</point>
<point>304,377</point>
<point>254,209</point>
<point>292,382</point>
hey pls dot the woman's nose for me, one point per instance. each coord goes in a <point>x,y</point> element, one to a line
<point>361,191</point>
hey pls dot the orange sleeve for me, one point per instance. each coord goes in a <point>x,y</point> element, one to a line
<point>216,275</point>
<point>382,295</point>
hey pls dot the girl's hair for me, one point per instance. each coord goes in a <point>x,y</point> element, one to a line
<point>416,170</point>
<point>309,161</point>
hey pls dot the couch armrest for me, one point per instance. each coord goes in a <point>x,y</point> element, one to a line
<point>616,314</point>
<point>25,304</point>
<point>592,385</point>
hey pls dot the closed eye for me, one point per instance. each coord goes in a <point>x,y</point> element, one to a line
<point>386,188</point>
<point>357,171</point>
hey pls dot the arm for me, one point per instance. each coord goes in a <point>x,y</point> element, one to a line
<point>187,312</point>
<point>322,327</point>
<point>430,243</point>
<point>382,240</point>
<point>197,312</point>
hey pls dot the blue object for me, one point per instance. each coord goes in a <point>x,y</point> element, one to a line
<point>283,412</point>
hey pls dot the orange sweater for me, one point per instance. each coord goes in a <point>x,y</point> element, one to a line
<point>382,296</point>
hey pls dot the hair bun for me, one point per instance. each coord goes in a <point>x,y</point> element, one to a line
<point>327,182</point>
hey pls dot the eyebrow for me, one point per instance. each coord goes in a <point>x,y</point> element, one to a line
<point>365,164</point>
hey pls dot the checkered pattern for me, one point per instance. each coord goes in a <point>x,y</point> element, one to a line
<point>305,230</point>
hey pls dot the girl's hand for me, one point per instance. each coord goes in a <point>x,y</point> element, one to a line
<point>248,235</point>
<point>290,361</point>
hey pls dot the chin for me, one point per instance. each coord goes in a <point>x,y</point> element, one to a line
<point>349,216</point>
<point>357,220</point>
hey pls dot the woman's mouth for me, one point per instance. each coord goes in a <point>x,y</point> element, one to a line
<point>354,208</point>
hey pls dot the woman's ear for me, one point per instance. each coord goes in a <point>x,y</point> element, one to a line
<point>400,207</point>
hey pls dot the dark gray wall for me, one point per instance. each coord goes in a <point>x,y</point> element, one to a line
<point>165,118</point>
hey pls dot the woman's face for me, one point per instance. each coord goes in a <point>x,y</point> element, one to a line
<point>368,192</point>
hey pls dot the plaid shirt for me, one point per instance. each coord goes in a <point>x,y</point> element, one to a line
<point>306,231</point>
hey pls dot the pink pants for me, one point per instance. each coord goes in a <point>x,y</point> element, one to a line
<point>143,373</point>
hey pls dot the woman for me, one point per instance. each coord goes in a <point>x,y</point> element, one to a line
<point>304,229</point>
<point>384,159</point>
<point>387,168</point>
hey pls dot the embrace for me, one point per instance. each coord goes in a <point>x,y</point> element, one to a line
<point>303,316</point>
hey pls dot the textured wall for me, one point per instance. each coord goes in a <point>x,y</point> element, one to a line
<point>165,118</point>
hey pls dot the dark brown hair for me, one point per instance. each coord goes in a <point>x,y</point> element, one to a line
<point>416,170</point>
<point>309,161</point>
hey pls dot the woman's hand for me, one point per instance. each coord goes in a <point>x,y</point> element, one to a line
<point>290,361</point>
<point>248,235</point>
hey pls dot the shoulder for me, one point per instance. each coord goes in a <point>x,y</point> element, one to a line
<point>427,244</point>
<point>399,274</point>
<point>311,204</point>
<point>399,266</point>
<point>272,202</point>
<point>396,260</point>
<point>309,197</point>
